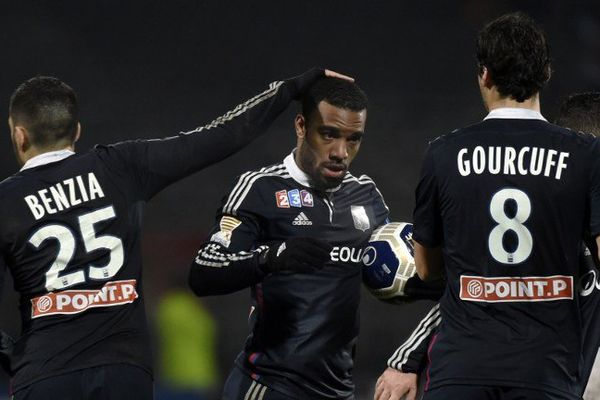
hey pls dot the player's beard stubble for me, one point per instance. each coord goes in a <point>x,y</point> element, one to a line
<point>309,163</point>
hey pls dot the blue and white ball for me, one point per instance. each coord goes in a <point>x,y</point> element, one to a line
<point>388,260</point>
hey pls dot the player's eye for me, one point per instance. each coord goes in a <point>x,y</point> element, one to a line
<point>355,138</point>
<point>329,134</point>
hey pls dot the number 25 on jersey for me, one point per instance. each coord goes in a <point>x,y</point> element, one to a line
<point>66,249</point>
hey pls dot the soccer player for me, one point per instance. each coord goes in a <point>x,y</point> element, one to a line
<point>505,203</point>
<point>305,290</point>
<point>70,236</point>
<point>579,112</point>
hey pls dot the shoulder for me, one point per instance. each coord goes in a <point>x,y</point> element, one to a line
<point>121,150</point>
<point>459,133</point>
<point>249,179</point>
<point>364,189</point>
<point>9,184</point>
<point>362,180</point>
<point>362,183</point>
<point>566,133</point>
<point>440,142</point>
<point>252,185</point>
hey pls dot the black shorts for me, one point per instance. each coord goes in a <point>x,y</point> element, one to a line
<point>106,382</point>
<point>240,386</point>
<point>474,392</point>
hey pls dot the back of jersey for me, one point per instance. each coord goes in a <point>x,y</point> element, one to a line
<point>70,236</point>
<point>508,200</point>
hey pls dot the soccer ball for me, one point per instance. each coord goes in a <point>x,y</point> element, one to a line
<point>388,261</point>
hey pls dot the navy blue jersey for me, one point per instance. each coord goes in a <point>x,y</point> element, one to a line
<point>589,295</point>
<point>508,200</point>
<point>304,325</point>
<point>411,356</point>
<point>70,236</point>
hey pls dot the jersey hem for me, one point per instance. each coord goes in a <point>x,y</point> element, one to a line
<point>502,382</point>
<point>282,388</point>
<point>19,386</point>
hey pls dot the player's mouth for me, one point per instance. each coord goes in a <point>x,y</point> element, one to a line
<point>332,170</point>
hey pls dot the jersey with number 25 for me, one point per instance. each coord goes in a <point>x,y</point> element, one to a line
<point>509,200</point>
<point>70,235</point>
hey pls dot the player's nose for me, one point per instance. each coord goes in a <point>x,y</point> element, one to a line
<point>338,151</point>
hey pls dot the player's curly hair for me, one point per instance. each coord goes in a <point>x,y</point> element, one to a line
<point>48,108</point>
<point>335,91</point>
<point>516,54</point>
<point>581,112</point>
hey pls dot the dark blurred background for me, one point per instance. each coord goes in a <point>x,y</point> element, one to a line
<point>154,68</point>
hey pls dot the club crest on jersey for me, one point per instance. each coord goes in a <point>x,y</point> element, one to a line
<point>294,198</point>
<point>227,225</point>
<point>360,217</point>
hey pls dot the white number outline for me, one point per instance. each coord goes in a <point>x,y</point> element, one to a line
<point>515,224</point>
<point>67,245</point>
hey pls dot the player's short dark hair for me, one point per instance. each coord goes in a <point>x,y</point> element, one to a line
<point>515,52</point>
<point>581,112</point>
<point>47,108</point>
<point>338,92</point>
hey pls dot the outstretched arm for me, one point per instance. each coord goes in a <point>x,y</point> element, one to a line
<point>160,162</point>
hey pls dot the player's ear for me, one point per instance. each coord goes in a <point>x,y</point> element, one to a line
<point>21,138</point>
<point>300,125</point>
<point>78,133</point>
<point>485,79</point>
<point>548,72</point>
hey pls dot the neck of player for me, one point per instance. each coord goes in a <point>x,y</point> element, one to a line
<point>493,99</point>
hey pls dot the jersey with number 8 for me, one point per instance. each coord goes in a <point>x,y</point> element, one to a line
<point>509,200</point>
<point>505,224</point>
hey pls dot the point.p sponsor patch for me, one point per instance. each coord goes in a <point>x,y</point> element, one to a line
<point>76,301</point>
<point>516,289</point>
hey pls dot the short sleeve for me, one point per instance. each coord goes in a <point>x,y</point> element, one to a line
<point>427,217</point>
<point>380,209</point>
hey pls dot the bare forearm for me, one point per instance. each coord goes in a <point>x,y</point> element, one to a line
<point>428,261</point>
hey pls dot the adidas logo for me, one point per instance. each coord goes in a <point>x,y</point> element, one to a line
<point>301,219</point>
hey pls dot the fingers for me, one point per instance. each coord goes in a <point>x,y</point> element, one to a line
<point>379,387</point>
<point>334,74</point>
<point>412,394</point>
<point>394,385</point>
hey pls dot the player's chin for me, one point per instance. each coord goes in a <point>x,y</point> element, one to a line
<point>330,182</point>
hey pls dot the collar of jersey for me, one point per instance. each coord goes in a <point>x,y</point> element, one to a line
<point>297,174</point>
<point>47,158</point>
<point>514,113</point>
